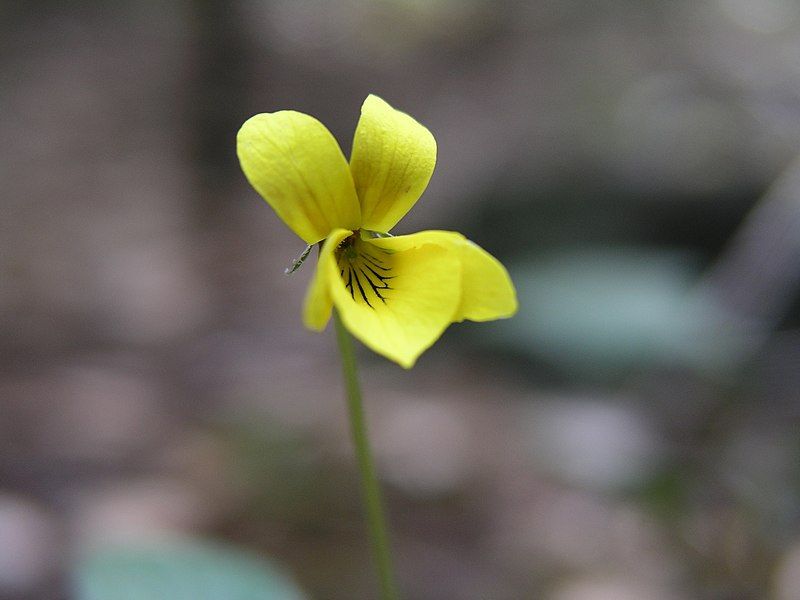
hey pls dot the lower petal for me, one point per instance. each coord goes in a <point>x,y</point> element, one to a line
<point>487,292</point>
<point>398,302</point>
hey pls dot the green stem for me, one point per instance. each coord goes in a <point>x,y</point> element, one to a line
<point>366,467</point>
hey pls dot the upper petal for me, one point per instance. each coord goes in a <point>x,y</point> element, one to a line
<point>487,291</point>
<point>396,301</point>
<point>294,162</point>
<point>392,161</point>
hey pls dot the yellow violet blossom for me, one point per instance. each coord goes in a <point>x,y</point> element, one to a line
<point>395,294</point>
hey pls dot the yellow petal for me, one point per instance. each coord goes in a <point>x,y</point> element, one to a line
<point>397,303</point>
<point>487,292</point>
<point>294,162</point>
<point>392,161</point>
<point>318,302</point>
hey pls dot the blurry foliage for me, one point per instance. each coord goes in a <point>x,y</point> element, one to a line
<point>288,480</point>
<point>186,570</point>
<point>605,312</point>
<point>300,503</point>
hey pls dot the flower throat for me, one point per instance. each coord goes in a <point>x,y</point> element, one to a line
<point>365,270</point>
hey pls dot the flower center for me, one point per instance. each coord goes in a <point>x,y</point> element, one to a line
<point>366,270</point>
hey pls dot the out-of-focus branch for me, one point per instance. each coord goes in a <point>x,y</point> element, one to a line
<point>758,276</point>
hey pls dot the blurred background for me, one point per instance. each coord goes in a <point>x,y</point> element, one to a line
<point>632,434</point>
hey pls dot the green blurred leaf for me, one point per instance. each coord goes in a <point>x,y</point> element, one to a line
<point>603,311</point>
<point>185,570</point>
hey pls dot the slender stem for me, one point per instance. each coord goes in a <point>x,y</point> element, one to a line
<point>366,467</point>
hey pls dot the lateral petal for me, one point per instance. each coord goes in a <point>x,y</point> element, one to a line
<point>487,292</point>
<point>397,302</point>
<point>318,302</point>
<point>392,161</point>
<point>294,162</point>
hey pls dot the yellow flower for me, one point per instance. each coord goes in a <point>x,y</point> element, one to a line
<point>395,294</point>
